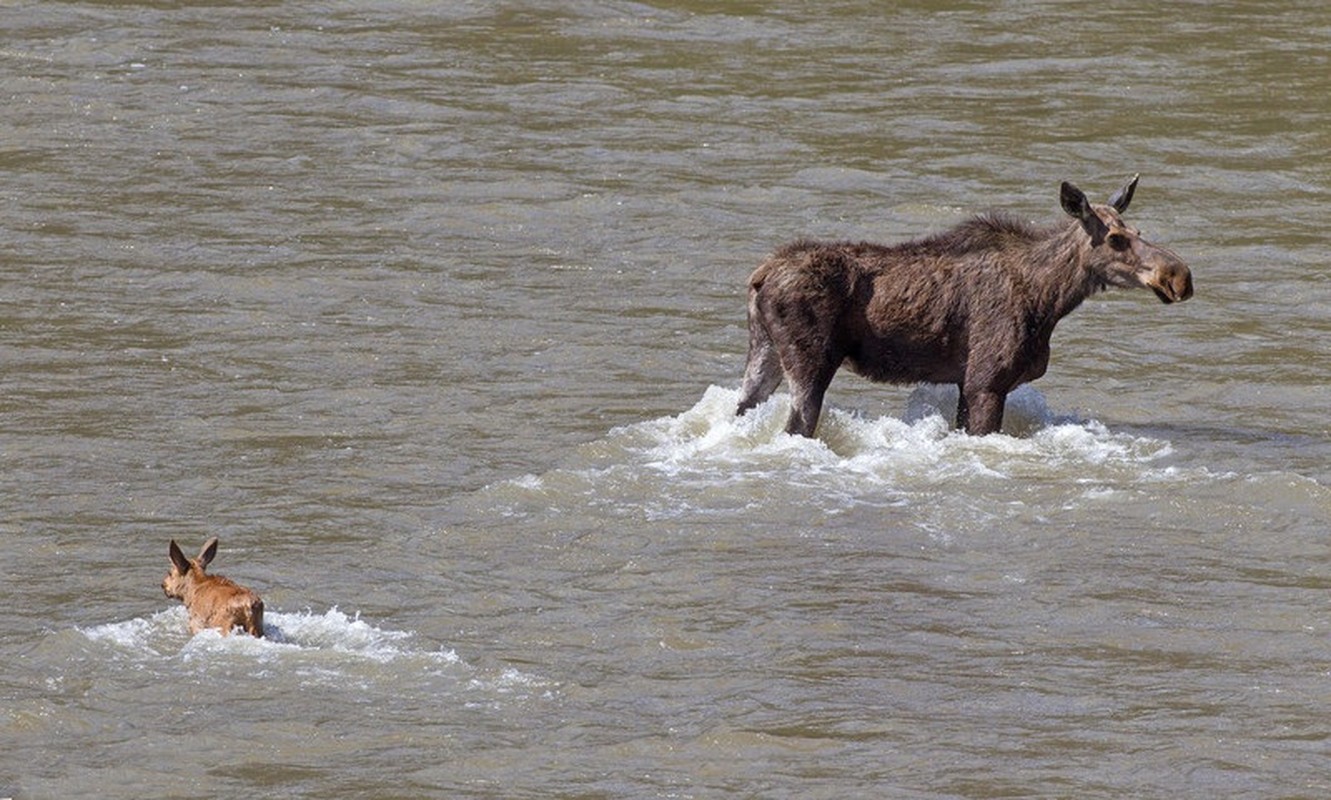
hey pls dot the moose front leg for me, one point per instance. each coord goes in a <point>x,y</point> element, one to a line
<point>980,411</point>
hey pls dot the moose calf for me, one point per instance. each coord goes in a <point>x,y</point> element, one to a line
<point>211,600</point>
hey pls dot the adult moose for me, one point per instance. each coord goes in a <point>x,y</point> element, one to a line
<point>974,306</point>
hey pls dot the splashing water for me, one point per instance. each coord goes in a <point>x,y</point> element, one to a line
<point>334,650</point>
<point>706,458</point>
<point>333,632</point>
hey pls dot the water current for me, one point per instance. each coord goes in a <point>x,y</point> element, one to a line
<point>434,314</point>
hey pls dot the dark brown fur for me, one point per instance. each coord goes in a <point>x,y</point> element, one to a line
<point>974,306</point>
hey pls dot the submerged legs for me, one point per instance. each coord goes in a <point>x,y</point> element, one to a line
<point>980,411</point>
<point>762,372</point>
<point>809,378</point>
<point>806,403</point>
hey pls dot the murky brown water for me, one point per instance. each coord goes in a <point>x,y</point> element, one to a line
<point>434,314</point>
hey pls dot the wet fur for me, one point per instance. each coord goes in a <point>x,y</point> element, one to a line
<point>973,306</point>
<point>211,600</point>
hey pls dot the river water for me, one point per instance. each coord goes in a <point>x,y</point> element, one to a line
<point>434,314</point>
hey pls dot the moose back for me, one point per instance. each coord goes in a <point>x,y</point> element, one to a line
<point>973,306</point>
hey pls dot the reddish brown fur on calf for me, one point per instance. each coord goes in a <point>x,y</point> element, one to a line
<point>211,600</point>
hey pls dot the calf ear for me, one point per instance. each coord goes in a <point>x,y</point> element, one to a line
<point>1075,203</point>
<point>1120,199</point>
<point>178,558</point>
<point>208,553</point>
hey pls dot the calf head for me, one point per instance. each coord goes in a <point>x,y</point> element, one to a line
<point>1118,255</point>
<point>185,571</point>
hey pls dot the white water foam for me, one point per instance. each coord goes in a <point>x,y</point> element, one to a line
<point>706,459</point>
<point>334,631</point>
<point>333,649</point>
<point>921,444</point>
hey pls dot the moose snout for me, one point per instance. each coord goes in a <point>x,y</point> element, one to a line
<point>1172,282</point>
<point>1170,278</point>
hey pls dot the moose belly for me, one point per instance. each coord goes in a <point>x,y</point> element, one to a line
<point>905,361</point>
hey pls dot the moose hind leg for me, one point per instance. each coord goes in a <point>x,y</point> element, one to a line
<point>762,371</point>
<point>806,398</point>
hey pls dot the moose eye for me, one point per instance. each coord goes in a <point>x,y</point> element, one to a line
<point>1119,242</point>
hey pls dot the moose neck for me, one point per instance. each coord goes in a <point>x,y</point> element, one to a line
<point>1061,279</point>
<point>194,580</point>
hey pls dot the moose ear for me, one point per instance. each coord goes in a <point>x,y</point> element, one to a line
<point>1074,202</point>
<point>178,558</point>
<point>1120,199</point>
<point>208,552</point>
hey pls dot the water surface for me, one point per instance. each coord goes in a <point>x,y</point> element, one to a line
<point>434,314</point>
